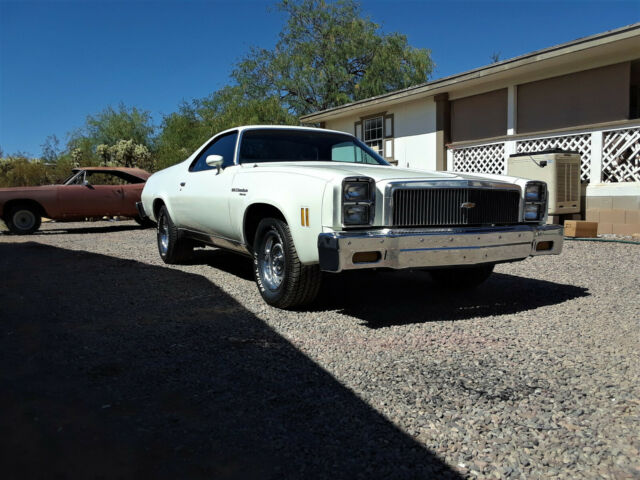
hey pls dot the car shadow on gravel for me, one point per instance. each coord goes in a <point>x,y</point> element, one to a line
<point>382,299</point>
<point>118,369</point>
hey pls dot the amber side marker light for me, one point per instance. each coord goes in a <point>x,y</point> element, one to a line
<point>542,246</point>
<point>366,257</point>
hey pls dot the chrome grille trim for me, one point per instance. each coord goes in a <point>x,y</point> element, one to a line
<point>411,205</point>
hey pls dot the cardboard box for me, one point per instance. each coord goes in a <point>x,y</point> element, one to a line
<point>612,216</point>
<point>604,227</point>
<point>580,229</point>
<point>625,228</point>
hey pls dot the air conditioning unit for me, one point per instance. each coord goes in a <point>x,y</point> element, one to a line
<point>559,168</point>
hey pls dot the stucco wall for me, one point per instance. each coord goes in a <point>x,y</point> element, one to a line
<point>414,132</point>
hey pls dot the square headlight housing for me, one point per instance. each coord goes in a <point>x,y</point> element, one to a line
<point>535,202</point>
<point>358,201</point>
<point>533,192</point>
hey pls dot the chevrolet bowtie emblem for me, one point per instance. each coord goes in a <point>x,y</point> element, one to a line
<point>467,205</point>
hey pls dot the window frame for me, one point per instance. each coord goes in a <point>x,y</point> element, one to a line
<point>353,138</point>
<point>388,132</point>
<point>209,144</point>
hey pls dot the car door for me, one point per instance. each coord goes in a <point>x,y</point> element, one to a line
<point>85,199</point>
<point>202,200</point>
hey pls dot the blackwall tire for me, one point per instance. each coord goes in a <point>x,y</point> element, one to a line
<point>283,281</point>
<point>173,248</point>
<point>462,278</point>
<point>23,220</point>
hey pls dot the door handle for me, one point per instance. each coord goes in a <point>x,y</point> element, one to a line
<point>182,184</point>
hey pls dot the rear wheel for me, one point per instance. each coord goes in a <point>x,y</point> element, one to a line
<point>466,277</point>
<point>173,248</point>
<point>283,281</point>
<point>23,220</point>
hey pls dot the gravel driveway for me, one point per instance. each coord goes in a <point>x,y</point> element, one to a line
<point>117,366</point>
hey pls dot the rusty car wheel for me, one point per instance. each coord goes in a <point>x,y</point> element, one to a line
<point>23,220</point>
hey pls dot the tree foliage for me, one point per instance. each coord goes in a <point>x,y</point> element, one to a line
<point>328,55</point>
<point>182,132</point>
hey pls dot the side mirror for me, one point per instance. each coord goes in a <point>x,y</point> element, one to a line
<point>85,182</point>
<point>215,161</point>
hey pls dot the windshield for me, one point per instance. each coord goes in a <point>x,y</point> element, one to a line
<point>273,145</point>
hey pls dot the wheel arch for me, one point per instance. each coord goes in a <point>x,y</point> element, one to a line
<point>252,216</point>
<point>37,206</point>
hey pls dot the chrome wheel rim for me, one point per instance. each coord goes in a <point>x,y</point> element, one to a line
<point>163,235</point>
<point>273,261</point>
<point>24,219</point>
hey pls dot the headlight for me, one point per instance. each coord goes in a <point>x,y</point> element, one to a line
<point>531,213</point>
<point>533,192</point>
<point>535,201</point>
<point>356,215</point>
<point>358,201</point>
<point>356,191</point>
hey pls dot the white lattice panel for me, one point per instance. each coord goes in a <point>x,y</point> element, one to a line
<point>480,159</point>
<point>621,155</point>
<point>580,143</point>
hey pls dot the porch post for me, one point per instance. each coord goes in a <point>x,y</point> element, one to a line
<point>595,169</point>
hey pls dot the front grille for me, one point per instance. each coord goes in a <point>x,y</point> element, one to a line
<point>443,206</point>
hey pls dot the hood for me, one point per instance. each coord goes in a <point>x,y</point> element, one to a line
<point>331,170</point>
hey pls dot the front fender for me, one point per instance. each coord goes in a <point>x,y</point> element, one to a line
<point>298,197</point>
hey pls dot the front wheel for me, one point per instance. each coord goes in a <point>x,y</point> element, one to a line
<point>463,278</point>
<point>283,281</point>
<point>173,248</point>
<point>23,220</point>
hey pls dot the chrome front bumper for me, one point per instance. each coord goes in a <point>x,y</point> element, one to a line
<point>436,247</point>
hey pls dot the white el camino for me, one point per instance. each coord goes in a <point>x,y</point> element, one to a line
<point>302,201</point>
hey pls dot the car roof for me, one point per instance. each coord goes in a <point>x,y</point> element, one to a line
<point>281,127</point>
<point>136,172</point>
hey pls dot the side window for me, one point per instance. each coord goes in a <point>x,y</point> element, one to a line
<point>224,146</point>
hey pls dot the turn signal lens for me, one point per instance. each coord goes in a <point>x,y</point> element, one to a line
<point>366,257</point>
<point>542,246</point>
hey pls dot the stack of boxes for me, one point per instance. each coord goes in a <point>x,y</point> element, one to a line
<point>617,215</point>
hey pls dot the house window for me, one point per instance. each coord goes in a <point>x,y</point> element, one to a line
<point>373,133</point>
<point>377,132</point>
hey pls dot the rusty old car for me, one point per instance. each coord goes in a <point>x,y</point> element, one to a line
<point>89,192</point>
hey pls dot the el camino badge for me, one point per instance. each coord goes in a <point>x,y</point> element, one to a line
<point>467,205</point>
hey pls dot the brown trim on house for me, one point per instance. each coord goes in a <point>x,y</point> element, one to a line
<point>549,133</point>
<point>623,33</point>
<point>384,126</point>
<point>443,129</point>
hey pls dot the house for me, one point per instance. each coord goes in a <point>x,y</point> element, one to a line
<point>583,95</point>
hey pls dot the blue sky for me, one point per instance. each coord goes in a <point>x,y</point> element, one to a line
<point>63,60</point>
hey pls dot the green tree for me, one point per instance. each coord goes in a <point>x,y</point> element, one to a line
<point>51,149</point>
<point>328,55</point>
<point>125,153</point>
<point>182,132</point>
<point>108,127</point>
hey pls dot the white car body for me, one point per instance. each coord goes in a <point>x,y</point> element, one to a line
<point>215,206</point>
